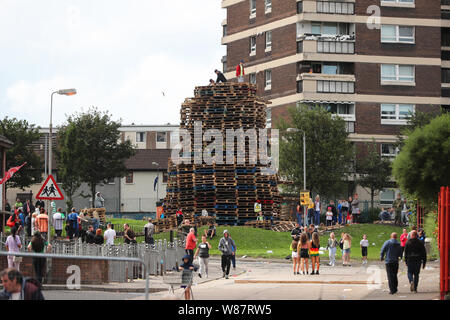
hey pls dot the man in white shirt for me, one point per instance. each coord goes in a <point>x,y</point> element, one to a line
<point>58,223</point>
<point>110,235</point>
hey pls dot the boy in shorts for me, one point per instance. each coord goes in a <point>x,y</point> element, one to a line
<point>364,244</point>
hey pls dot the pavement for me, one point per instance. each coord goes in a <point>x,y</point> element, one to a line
<point>255,279</point>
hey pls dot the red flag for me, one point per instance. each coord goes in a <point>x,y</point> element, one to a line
<point>11,172</point>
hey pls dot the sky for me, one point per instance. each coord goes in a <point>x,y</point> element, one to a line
<point>137,59</point>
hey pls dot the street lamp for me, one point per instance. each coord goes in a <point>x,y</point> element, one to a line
<point>304,168</point>
<point>65,92</point>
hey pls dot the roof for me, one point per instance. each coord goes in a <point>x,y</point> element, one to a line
<point>149,159</point>
<point>5,142</point>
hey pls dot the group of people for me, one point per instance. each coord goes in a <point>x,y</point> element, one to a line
<point>227,247</point>
<point>346,211</point>
<point>399,212</point>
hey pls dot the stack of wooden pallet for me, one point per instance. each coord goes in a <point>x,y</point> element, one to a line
<point>165,224</point>
<point>283,226</point>
<point>264,224</point>
<point>227,189</point>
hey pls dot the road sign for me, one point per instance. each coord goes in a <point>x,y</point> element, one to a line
<point>304,197</point>
<point>50,190</point>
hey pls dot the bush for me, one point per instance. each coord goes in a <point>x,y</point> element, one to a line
<point>430,227</point>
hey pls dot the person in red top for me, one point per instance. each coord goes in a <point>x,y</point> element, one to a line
<point>240,71</point>
<point>191,243</point>
<point>403,239</point>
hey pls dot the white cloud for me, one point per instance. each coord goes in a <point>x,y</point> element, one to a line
<point>119,56</point>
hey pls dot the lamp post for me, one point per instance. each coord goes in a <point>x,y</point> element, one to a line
<point>65,92</point>
<point>304,169</point>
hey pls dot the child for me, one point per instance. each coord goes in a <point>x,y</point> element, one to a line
<point>364,245</point>
<point>329,216</point>
<point>332,248</point>
<point>186,267</point>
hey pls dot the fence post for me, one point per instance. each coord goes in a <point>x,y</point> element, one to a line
<point>444,240</point>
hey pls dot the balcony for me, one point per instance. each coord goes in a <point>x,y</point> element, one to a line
<point>326,83</point>
<point>309,43</point>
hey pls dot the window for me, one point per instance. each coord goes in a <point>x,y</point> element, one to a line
<point>397,34</point>
<point>224,30</point>
<point>329,28</point>
<point>253,78</point>
<point>335,7</point>
<point>335,86</point>
<point>110,181</point>
<point>140,136</point>
<point>268,118</point>
<point>316,28</point>
<point>299,6</point>
<point>396,113</point>
<point>395,72</point>
<point>268,40</point>
<point>268,6</point>
<point>252,45</point>
<point>165,177</point>
<point>252,8</point>
<point>299,86</point>
<point>299,46</point>
<point>387,197</point>
<point>398,1</point>
<point>388,150</point>
<point>161,137</point>
<point>330,68</point>
<point>445,75</point>
<point>268,74</point>
<point>129,177</point>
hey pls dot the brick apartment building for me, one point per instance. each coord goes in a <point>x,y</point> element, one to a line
<point>325,52</point>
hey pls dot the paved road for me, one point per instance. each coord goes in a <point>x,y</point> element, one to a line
<point>257,280</point>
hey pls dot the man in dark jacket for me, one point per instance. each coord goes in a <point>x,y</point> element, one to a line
<point>16,287</point>
<point>392,251</point>
<point>415,255</point>
<point>220,76</point>
<point>226,245</point>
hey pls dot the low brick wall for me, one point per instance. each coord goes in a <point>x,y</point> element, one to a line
<point>91,271</point>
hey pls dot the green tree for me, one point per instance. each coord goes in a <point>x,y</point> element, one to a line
<point>374,171</point>
<point>329,154</point>
<point>68,162</point>
<point>22,134</point>
<point>95,140</point>
<point>417,119</point>
<point>423,165</point>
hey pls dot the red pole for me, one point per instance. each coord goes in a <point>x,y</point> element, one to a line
<point>444,229</point>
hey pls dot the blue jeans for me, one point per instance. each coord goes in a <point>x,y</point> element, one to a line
<point>317,218</point>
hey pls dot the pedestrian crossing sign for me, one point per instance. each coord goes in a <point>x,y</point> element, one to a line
<point>50,190</point>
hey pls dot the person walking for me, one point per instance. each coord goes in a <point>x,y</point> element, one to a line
<point>191,243</point>
<point>72,221</point>
<point>391,252</point>
<point>332,245</point>
<point>346,249</point>
<point>240,72</point>
<point>314,253</point>
<point>403,240</point>
<point>364,244</point>
<point>415,255</point>
<point>225,246</point>
<point>317,210</point>
<point>38,245</point>
<point>110,235</point>
<point>13,244</point>
<point>58,222</point>
<point>303,246</point>
<point>220,77</point>
<point>202,253</point>
<point>295,256</point>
